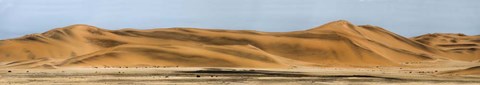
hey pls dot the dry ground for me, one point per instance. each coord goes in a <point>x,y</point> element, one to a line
<point>183,75</point>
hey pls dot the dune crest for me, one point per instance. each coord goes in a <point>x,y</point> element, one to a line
<point>339,43</point>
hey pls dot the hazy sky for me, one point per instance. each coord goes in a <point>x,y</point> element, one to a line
<point>405,17</point>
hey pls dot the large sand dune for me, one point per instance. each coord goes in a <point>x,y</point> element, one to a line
<point>335,44</point>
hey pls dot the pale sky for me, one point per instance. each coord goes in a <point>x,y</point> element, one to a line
<point>405,17</point>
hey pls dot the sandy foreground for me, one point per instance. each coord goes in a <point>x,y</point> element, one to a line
<point>234,76</point>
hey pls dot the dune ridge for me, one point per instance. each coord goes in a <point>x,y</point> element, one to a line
<point>335,44</point>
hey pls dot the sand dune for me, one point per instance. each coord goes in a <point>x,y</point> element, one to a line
<point>456,46</point>
<point>338,43</point>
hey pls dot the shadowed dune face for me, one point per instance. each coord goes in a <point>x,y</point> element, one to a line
<point>337,43</point>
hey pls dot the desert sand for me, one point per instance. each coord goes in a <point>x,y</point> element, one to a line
<point>338,52</point>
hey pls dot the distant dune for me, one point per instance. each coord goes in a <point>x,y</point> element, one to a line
<point>335,44</point>
<point>456,46</point>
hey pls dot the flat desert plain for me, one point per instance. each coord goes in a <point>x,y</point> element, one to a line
<point>235,76</point>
